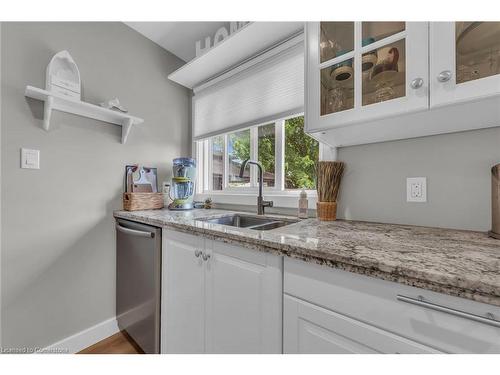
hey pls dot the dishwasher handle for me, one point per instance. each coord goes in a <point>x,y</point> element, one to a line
<point>134,232</point>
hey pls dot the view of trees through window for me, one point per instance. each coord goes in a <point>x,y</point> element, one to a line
<point>301,153</point>
<point>238,149</point>
<point>217,162</point>
<point>266,150</point>
<point>301,156</point>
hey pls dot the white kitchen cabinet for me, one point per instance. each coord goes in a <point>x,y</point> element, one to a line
<point>219,298</point>
<point>464,61</point>
<point>243,300</point>
<point>183,293</point>
<point>359,71</point>
<point>332,310</point>
<point>311,329</point>
<point>447,80</point>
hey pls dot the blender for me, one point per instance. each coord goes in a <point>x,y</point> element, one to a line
<point>182,189</point>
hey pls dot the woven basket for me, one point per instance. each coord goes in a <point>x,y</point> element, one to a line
<point>326,211</point>
<point>142,201</point>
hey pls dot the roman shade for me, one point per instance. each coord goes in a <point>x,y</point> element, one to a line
<point>270,88</point>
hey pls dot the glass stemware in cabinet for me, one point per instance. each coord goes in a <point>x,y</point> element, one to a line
<point>337,87</point>
<point>336,39</point>
<point>385,77</point>
<point>477,46</point>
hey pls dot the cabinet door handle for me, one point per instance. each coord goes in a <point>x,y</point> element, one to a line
<point>444,76</point>
<point>489,319</point>
<point>417,83</point>
<point>205,256</point>
<point>197,253</point>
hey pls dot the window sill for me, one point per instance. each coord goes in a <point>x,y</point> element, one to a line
<point>286,199</point>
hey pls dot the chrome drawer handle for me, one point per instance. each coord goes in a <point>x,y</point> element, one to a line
<point>197,253</point>
<point>489,319</point>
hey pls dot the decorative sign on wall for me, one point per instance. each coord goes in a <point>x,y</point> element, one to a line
<point>221,34</point>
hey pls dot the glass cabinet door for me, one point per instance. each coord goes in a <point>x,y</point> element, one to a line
<point>336,46</point>
<point>465,61</point>
<point>477,50</point>
<point>358,71</point>
<point>383,68</point>
<point>336,39</point>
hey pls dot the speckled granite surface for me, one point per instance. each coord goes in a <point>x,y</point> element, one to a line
<point>459,263</point>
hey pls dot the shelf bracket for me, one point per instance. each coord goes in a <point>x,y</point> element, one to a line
<point>127,125</point>
<point>47,112</point>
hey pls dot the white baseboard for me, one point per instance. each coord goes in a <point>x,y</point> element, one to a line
<point>83,339</point>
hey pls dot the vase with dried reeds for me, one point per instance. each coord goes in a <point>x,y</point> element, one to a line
<point>329,174</point>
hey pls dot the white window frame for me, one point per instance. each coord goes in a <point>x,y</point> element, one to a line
<point>204,155</point>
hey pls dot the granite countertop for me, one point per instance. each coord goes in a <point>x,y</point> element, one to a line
<point>460,263</point>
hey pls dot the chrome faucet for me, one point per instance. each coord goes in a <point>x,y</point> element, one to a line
<point>261,203</point>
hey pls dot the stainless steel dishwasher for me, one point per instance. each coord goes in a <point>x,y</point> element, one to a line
<point>138,282</point>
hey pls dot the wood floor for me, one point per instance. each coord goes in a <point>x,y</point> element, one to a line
<point>120,343</point>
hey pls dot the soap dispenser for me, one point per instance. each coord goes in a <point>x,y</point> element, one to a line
<point>303,205</point>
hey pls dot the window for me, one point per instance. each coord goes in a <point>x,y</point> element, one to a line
<point>287,154</point>
<point>217,147</point>
<point>301,155</point>
<point>238,150</point>
<point>267,152</point>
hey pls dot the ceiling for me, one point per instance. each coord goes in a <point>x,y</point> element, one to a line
<point>178,37</point>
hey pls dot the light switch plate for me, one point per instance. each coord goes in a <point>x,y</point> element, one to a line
<point>416,189</point>
<point>30,159</point>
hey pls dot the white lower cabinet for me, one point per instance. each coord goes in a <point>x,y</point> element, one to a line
<point>219,298</point>
<point>311,329</point>
<point>183,294</point>
<point>328,310</point>
<point>243,300</point>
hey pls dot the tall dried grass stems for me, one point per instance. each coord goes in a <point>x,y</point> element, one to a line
<point>329,175</point>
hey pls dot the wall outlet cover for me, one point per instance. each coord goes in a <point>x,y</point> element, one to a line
<point>30,159</point>
<point>416,189</point>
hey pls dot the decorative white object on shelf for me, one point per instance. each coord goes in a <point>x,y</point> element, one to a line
<point>63,76</point>
<point>64,103</point>
<point>219,36</point>
<point>114,104</point>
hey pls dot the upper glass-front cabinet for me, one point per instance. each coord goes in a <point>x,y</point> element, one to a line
<point>358,71</point>
<point>465,61</point>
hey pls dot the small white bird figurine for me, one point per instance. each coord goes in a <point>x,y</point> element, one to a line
<point>114,104</point>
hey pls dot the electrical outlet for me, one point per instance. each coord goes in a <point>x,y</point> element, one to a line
<point>416,189</point>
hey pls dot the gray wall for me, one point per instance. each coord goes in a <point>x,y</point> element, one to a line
<point>457,167</point>
<point>58,248</point>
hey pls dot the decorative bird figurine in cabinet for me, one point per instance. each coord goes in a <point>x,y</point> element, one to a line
<point>389,64</point>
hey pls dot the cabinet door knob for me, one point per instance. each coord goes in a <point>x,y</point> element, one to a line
<point>205,256</point>
<point>197,253</point>
<point>417,83</point>
<point>444,76</point>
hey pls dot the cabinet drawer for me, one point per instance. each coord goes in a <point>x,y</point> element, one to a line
<point>311,329</point>
<point>375,302</point>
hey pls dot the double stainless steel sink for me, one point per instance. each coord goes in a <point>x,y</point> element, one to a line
<point>249,221</point>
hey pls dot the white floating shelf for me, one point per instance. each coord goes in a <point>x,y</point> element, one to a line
<point>59,102</point>
<point>252,39</point>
